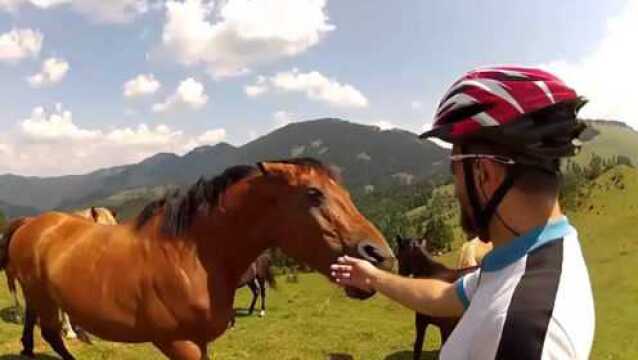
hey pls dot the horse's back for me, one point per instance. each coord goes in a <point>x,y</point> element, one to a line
<point>41,240</point>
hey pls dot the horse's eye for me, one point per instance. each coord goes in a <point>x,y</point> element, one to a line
<point>315,195</point>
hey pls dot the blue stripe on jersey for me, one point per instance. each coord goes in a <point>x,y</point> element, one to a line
<point>504,255</point>
<point>460,291</point>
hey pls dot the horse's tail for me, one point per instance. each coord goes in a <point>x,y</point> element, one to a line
<point>5,239</point>
<point>270,278</point>
<point>11,281</point>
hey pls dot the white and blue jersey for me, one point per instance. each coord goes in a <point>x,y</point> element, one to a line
<point>530,299</point>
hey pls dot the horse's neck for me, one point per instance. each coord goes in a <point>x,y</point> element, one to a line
<point>231,245</point>
<point>428,267</point>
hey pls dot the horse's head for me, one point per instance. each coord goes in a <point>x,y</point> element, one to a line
<point>410,254</point>
<point>314,219</point>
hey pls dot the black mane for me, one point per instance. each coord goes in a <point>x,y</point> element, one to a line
<point>181,207</point>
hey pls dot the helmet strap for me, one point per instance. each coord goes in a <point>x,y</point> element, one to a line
<point>481,217</point>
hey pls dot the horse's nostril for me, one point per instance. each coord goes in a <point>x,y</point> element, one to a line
<point>371,253</point>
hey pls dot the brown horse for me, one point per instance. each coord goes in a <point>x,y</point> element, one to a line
<point>99,215</point>
<point>170,276</point>
<point>259,274</point>
<point>414,260</point>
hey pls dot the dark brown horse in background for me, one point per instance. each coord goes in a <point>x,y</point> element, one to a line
<point>259,274</point>
<point>170,276</point>
<point>415,260</point>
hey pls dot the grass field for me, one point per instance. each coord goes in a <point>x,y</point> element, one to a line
<point>311,319</point>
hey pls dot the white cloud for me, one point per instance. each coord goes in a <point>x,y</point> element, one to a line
<point>212,136</point>
<point>53,71</point>
<point>258,88</point>
<point>385,125</point>
<point>189,94</point>
<point>209,137</point>
<point>607,75</point>
<point>5,149</point>
<point>143,135</point>
<point>51,143</point>
<point>111,11</point>
<point>230,38</point>
<point>54,127</point>
<point>14,5</point>
<point>283,118</point>
<point>144,84</point>
<point>101,11</point>
<point>19,44</point>
<point>416,105</point>
<point>315,85</point>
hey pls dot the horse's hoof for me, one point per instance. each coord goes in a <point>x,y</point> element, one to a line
<point>28,354</point>
<point>262,313</point>
<point>85,339</point>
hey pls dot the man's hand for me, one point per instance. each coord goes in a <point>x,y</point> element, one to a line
<point>349,271</point>
<point>427,296</point>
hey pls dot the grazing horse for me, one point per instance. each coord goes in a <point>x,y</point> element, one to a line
<point>472,253</point>
<point>170,276</point>
<point>259,274</point>
<point>414,260</point>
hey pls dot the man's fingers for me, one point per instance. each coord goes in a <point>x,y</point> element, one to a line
<point>345,282</point>
<point>337,267</point>
<point>347,260</point>
<point>342,275</point>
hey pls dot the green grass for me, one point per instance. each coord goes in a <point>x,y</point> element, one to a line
<point>305,320</point>
<point>607,228</point>
<point>612,141</point>
<point>311,319</point>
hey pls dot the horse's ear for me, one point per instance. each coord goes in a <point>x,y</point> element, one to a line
<point>113,212</point>
<point>94,213</point>
<point>400,241</point>
<point>275,168</point>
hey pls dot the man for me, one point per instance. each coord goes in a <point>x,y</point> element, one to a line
<point>531,297</point>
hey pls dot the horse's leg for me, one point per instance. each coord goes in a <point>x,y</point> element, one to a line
<point>446,328</point>
<point>420,323</point>
<point>262,288</point>
<point>182,350</point>
<point>27,331</point>
<point>67,328</point>
<point>51,328</point>
<point>253,288</point>
<point>82,334</point>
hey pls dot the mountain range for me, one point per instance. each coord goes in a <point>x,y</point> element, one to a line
<point>365,156</point>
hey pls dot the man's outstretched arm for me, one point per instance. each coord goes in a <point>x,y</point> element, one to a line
<point>426,296</point>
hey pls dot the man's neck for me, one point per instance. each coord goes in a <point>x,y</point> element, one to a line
<point>521,219</point>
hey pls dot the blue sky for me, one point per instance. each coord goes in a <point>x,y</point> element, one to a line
<point>360,60</point>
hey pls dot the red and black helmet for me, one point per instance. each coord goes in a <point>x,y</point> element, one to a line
<point>499,104</point>
<point>529,112</point>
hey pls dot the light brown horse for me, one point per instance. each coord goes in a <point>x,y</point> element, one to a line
<point>170,277</point>
<point>472,253</point>
<point>99,215</point>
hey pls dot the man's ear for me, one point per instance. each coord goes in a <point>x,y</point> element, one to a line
<point>489,175</point>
